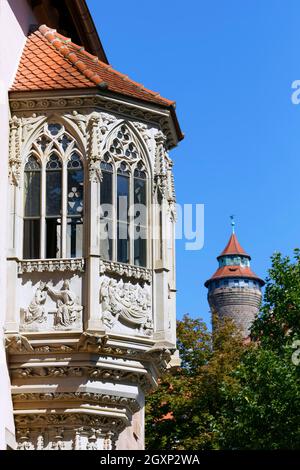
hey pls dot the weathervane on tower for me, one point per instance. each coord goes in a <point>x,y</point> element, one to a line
<point>232,223</point>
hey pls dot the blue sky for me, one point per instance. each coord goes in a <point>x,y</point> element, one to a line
<point>229,65</point>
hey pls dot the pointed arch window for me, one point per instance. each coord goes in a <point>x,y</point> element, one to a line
<point>53,196</point>
<point>123,199</point>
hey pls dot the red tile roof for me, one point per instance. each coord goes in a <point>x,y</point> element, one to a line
<point>51,61</point>
<point>234,271</point>
<point>233,248</point>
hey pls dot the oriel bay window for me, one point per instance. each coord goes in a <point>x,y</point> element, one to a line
<point>53,197</point>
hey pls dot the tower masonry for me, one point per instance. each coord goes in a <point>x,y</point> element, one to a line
<point>234,291</point>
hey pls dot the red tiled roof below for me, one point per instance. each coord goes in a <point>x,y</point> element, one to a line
<point>233,247</point>
<point>234,271</point>
<point>51,61</point>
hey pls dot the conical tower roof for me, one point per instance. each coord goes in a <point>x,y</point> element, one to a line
<point>234,269</point>
<point>233,247</point>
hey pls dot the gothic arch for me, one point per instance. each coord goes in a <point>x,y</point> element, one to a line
<point>129,147</point>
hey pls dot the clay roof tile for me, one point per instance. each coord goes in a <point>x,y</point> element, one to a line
<point>46,51</point>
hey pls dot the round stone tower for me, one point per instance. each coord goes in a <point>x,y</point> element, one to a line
<point>234,291</point>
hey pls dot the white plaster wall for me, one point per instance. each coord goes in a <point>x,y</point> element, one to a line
<point>15,18</point>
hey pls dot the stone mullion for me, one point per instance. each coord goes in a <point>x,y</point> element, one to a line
<point>64,212</point>
<point>43,212</point>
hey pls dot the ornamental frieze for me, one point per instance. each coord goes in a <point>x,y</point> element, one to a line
<point>51,265</point>
<point>125,270</point>
<point>82,397</point>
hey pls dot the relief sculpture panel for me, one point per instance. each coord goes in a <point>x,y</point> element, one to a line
<point>126,306</point>
<point>52,309</point>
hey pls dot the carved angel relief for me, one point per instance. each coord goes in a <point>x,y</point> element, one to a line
<point>127,303</point>
<point>67,313</point>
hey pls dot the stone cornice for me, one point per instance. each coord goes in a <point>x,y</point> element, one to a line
<point>77,397</point>
<point>47,103</point>
<point>69,419</point>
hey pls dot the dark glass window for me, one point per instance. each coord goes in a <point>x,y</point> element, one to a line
<point>75,207</point>
<point>53,207</point>
<point>140,218</point>
<point>106,218</point>
<point>32,209</point>
<point>122,214</point>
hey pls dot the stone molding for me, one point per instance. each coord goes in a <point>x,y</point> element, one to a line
<point>82,397</point>
<point>51,265</point>
<point>125,270</point>
<point>134,111</point>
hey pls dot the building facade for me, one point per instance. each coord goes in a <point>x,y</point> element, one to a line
<point>87,263</point>
<point>234,290</point>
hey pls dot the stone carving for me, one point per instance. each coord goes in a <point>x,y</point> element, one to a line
<point>23,437</point>
<point>67,437</point>
<point>94,373</point>
<point>80,120</point>
<point>68,310</point>
<point>81,397</point>
<point>15,160</point>
<point>160,165</point>
<point>94,140</point>
<point>36,310</point>
<point>144,131</point>
<point>108,119</point>
<point>58,440</point>
<point>125,270</point>
<point>18,344</point>
<point>126,110</point>
<point>126,302</point>
<point>48,265</point>
<point>69,419</point>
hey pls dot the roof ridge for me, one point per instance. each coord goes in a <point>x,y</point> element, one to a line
<point>52,36</point>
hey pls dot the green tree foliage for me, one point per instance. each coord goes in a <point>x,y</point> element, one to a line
<point>180,414</point>
<point>228,395</point>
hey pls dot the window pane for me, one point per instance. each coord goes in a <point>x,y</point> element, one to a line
<point>32,190</point>
<point>139,191</point>
<point>53,186</point>
<point>53,199</point>
<point>31,244</point>
<point>106,234</point>
<point>106,188</point>
<point>106,239</point>
<point>123,243</point>
<point>123,198</point>
<point>53,238</point>
<point>75,192</point>
<point>74,237</point>
<point>140,249</point>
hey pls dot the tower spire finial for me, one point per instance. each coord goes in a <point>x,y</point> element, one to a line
<point>232,223</point>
